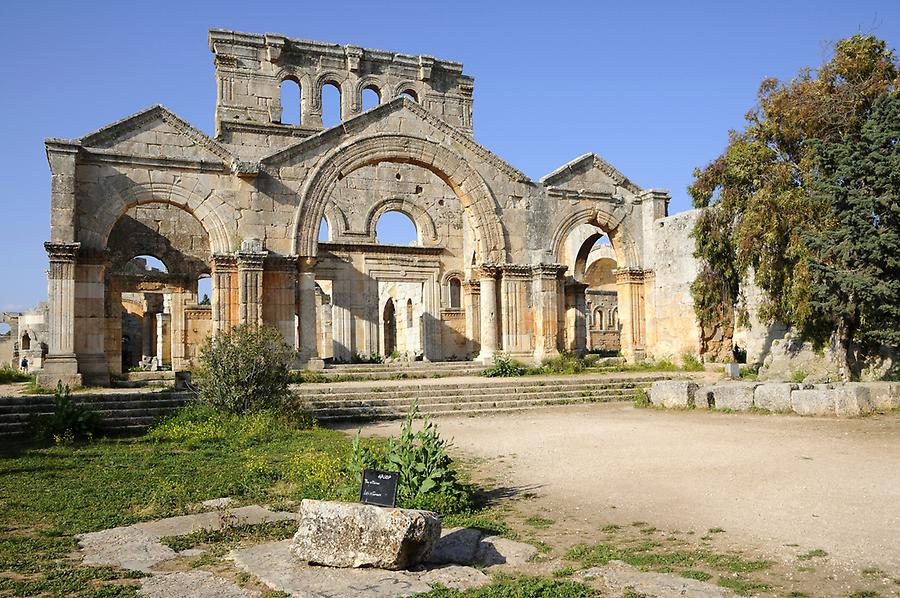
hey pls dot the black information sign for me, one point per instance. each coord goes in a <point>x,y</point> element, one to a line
<point>379,488</point>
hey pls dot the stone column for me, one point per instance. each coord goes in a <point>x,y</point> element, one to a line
<point>546,284</point>
<point>630,285</point>
<point>307,315</point>
<point>487,276</point>
<point>61,364</point>
<point>472,304</point>
<point>223,300</point>
<point>90,316</point>
<point>178,299</point>
<point>516,321</point>
<point>576,340</point>
<point>250,285</point>
<point>280,297</point>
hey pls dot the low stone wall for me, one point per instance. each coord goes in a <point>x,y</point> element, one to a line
<point>841,400</point>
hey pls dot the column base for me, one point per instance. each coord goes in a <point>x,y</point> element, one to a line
<point>59,369</point>
<point>540,355</point>
<point>486,358</point>
<point>313,364</point>
<point>93,369</point>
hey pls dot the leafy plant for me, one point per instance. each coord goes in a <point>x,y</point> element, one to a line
<point>504,367</point>
<point>690,363</point>
<point>374,357</point>
<point>245,369</point>
<point>68,422</point>
<point>641,398</point>
<point>428,478</point>
<point>564,363</point>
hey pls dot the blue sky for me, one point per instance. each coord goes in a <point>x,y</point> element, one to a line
<point>653,87</point>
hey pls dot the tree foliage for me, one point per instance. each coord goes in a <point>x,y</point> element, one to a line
<point>759,191</point>
<point>854,261</point>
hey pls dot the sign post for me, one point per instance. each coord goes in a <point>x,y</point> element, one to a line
<point>379,488</point>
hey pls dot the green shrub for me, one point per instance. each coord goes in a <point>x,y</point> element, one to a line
<point>690,363</point>
<point>245,369</point>
<point>68,422</point>
<point>428,478</point>
<point>641,398</point>
<point>564,363</point>
<point>9,375</point>
<point>798,376</point>
<point>370,358</point>
<point>504,367</point>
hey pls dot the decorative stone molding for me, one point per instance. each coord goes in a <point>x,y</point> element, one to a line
<point>549,271</point>
<point>62,252</point>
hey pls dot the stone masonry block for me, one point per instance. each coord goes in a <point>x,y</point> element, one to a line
<point>775,396</point>
<point>737,396</point>
<point>885,395</point>
<point>673,393</point>
<point>703,397</point>
<point>852,400</point>
<point>814,401</point>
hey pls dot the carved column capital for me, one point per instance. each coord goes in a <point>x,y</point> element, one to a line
<point>487,271</point>
<point>549,271</point>
<point>629,274</point>
<point>306,263</point>
<point>62,252</point>
<point>223,262</point>
<point>251,260</point>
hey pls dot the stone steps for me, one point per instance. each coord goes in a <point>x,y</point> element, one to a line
<point>120,413</point>
<point>473,396</point>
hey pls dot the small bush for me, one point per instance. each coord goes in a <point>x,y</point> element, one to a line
<point>798,376</point>
<point>68,422</point>
<point>690,363</point>
<point>504,367</point>
<point>370,358</point>
<point>564,363</point>
<point>245,369</point>
<point>428,478</point>
<point>641,398</point>
<point>9,375</point>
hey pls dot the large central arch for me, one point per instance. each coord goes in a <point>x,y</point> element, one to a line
<point>469,187</point>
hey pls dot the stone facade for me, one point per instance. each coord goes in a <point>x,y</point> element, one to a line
<point>501,262</point>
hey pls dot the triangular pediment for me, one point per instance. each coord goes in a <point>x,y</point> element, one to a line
<point>157,132</point>
<point>396,110</point>
<point>589,171</point>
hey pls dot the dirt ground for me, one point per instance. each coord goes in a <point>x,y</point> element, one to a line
<point>773,486</point>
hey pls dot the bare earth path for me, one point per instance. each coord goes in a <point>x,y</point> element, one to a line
<point>779,485</point>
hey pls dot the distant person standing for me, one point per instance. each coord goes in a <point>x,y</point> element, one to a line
<point>24,365</point>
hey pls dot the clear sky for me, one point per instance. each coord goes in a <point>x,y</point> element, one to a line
<point>653,87</point>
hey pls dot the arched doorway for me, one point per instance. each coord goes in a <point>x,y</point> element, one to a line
<point>389,328</point>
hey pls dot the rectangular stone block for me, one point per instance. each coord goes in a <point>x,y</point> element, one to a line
<point>737,396</point>
<point>885,395</point>
<point>852,400</point>
<point>673,393</point>
<point>775,396</point>
<point>703,397</point>
<point>814,401</point>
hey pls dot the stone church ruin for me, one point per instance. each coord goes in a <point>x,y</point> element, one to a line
<point>580,259</point>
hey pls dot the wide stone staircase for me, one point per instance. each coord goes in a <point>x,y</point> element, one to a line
<point>401,370</point>
<point>465,396</point>
<point>120,412</point>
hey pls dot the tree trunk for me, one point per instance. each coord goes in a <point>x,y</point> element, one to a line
<point>842,350</point>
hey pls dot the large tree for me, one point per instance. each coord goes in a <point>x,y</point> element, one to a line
<point>759,192</point>
<point>854,261</point>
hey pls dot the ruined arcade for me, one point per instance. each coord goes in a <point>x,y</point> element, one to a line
<point>502,263</point>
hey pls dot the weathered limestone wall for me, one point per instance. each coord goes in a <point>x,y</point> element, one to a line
<point>673,326</point>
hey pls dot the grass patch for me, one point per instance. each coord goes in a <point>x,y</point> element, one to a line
<point>539,522</point>
<point>716,530</point>
<point>9,375</point>
<point>865,594</point>
<point>812,554</point>
<point>873,572</point>
<point>564,572</point>
<point>742,586</point>
<point>644,557</point>
<point>264,532</point>
<point>641,398</point>
<point>698,575</point>
<point>507,586</point>
<point>49,494</point>
<point>610,528</point>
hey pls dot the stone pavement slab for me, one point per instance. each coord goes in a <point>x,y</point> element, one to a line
<point>193,584</point>
<point>618,576</point>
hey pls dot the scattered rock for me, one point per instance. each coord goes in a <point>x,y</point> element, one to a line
<point>340,534</point>
<point>195,583</point>
<point>617,576</point>
<point>275,566</point>
<point>137,547</point>
<point>494,550</point>
<point>457,545</point>
<point>217,503</point>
